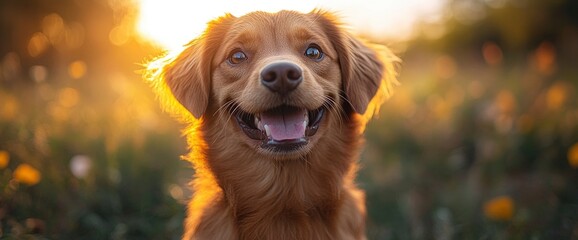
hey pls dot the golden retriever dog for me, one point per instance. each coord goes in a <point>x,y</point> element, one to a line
<point>276,103</point>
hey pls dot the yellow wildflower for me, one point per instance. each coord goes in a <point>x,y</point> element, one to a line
<point>499,208</point>
<point>27,174</point>
<point>573,155</point>
<point>4,159</point>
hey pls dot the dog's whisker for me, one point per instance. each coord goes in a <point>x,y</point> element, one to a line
<point>331,105</point>
<point>222,111</point>
<point>338,116</point>
<point>230,115</point>
<point>224,107</point>
<point>233,112</point>
<point>342,96</point>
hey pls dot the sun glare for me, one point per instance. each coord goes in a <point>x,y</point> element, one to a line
<point>173,23</point>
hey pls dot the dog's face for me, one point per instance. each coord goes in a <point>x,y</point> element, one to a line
<point>278,81</point>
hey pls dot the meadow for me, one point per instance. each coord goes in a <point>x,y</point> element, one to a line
<point>480,140</point>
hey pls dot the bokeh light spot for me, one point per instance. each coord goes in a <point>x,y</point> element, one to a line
<point>4,159</point>
<point>80,166</point>
<point>38,44</point>
<point>492,53</point>
<point>176,192</point>
<point>38,73</point>
<point>68,97</point>
<point>573,156</point>
<point>556,96</point>
<point>53,27</point>
<point>505,102</point>
<point>58,112</point>
<point>119,35</point>
<point>545,58</point>
<point>77,69</point>
<point>499,208</point>
<point>27,174</point>
<point>9,108</point>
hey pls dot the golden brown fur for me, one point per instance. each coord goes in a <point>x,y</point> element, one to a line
<point>242,190</point>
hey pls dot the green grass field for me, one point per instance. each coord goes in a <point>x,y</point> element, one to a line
<point>480,140</point>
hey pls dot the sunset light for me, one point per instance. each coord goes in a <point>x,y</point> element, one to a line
<point>479,140</point>
<point>172,23</point>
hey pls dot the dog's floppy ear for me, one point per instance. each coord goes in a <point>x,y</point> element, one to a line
<point>188,78</point>
<point>188,74</point>
<point>367,71</point>
<point>362,72</point>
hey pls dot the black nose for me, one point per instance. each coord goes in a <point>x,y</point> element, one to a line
<point>281,77</point>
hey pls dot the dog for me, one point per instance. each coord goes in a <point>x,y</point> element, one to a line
<point>276,104</point>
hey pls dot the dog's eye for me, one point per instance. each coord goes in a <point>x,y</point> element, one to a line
<point>314,52</point>
<point>237,57</point>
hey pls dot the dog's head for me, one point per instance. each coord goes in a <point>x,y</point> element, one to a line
<point>279,81</point>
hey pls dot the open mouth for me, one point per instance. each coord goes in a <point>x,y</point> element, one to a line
<point>284,128</point>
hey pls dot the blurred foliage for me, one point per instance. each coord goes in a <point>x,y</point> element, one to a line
<point>85,153</point>
<point>479,142</point>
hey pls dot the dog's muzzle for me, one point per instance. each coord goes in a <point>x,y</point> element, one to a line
<point>284,128</point>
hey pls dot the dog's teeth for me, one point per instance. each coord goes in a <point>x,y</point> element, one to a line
<point>304,124</point>
<point>257,122</point>
<point>267,130</point>
<point>260,126</point>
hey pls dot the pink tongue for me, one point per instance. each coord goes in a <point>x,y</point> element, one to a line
<point>285,126</point>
